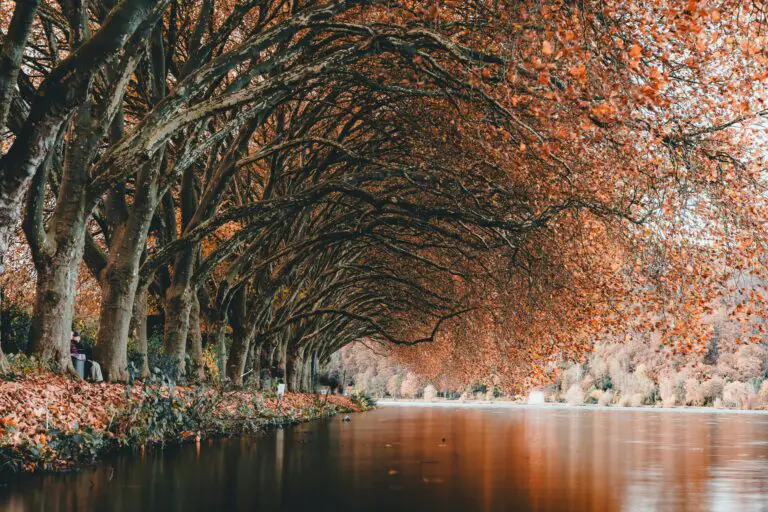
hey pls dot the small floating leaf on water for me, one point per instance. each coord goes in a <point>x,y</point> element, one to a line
<point>392,472</point>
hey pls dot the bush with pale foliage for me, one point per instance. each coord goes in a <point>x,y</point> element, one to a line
<point>672,388</point>
<point>606,398</point>
<point>571,377</point>
<point>641,371</point>
<point>703,393</point>
<point>763,394</point>
<point>410,386</point>
<point>636,388</point>
<point>430,393</point>
<point>574,395</point>
<point>738,395</point>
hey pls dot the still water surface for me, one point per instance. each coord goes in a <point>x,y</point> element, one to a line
<point>440,458</point>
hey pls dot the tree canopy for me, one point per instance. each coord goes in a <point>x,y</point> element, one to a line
<point>483,185</point>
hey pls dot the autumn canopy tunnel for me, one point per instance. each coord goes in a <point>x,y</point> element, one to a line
<point>479,187</point>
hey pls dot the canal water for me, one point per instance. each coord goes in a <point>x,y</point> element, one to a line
<point>436,459</point>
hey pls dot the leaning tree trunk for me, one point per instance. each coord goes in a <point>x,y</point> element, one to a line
<point>120,279</point>
<point>241,340</point>
<point>57,255</point>
<point>58,250</point>
<point>178,304</point>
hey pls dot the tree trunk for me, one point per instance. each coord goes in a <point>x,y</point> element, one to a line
<point>301,365</point>
<point>58,250</point>
<point>290,370</point>
<point>195,338</point>
<point>178,304</point>
<point>241,340</point>
<point>282,362</point>
<point>121,277</point>
<point>256,350</point>
<point>118,289</point>
<point>308,381</point>
<point>221,345</point>
<point>139,328</point>
<point>51,326</point>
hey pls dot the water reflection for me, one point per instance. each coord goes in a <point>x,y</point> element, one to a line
<point>440,458</point>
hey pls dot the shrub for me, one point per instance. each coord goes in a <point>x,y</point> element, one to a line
<point>632,400</point>
<point>570,377</point>
<point>363,400</point>
<point>606,398</point>
<point>726,367</point>
<point>574,395</point>
<point>672,389</point>
<point>599,372</point>
<point>694,393</point>
<point>750,362</point>
<point>430,393</point>
<point>636,388</point>
<point>80,446</point>
<point>587,384</point>
<point>764,392</point>
<point>738,395</point>
<point>16,323</point>
<point>703,393</point>
<point>410,385</point>
<point>211,364</point>
<point>713,388</point>
<point>22,365</point>
<point>159,414</point>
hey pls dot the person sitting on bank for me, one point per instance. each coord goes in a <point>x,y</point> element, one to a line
<point>91,368</point>
<point>75,351</point>
<point>74,343</point>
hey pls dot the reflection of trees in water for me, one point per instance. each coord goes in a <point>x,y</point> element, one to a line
<point>612,460</point>
<point>465,459</point>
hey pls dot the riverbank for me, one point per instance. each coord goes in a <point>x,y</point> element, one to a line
<point>51,423</point>
<point>503,404</point>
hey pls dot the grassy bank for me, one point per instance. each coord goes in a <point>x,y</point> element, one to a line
<point>52,423</point>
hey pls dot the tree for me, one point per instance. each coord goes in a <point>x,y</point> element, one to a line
<point>489,187</point>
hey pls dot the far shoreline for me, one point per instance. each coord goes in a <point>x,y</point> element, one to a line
<point>486,404</point>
